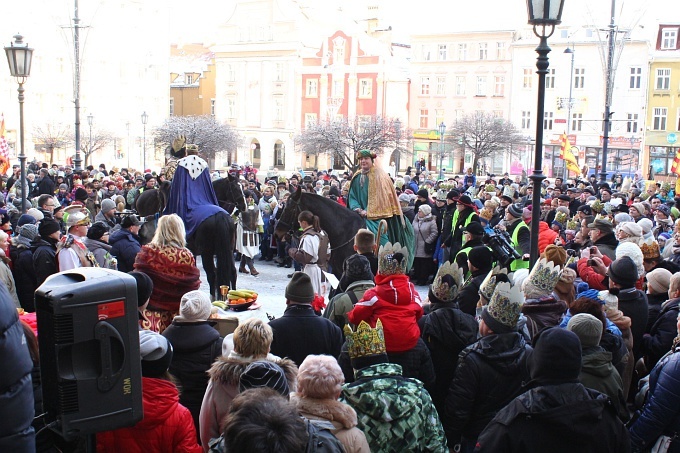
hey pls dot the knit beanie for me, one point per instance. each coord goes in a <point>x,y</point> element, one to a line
<point>156,353</point>
<point>26,219</point>
<point>300,289</point>
<point>264,373</point>
<point>423,193</point>
<point>556,357</point>
<point>658,281</point>
<point>357,267</point>
<point>611,303</point>
<point>588,329</point>
<point>639,207</point>
<point>515,210</point>
<point>624,272</point>
<point>48,227</point>
<point>194,307</point>
<point>108,204</point>
<point>81,194</point>
<point>481,258</point>
<point>29,231</point>
<point>557,255</point>
<point>646,225</point>
<point>425,209</point>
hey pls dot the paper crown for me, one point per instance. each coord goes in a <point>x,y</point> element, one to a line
<point>666,187</point>
<point>490,188</point>
<point>650,249</point>
<point>398,183</point>
<point>486,213</point>
<point>366,153</point>
<point>365,341</point>
<point>392,259</point>
<point>572,224</point>
<point>542,279</point>
<point>508,191</point>
<point>488,286</point>
<point>597,206</point>
<point>561,218</point>
<point>447,282</point>
<point>441,195</point>
<point>282,179</point>
<point>505,305</point>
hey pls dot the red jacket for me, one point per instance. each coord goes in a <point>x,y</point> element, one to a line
<point>546,236</point>
<point>167,426</point>
<point>394,301</point>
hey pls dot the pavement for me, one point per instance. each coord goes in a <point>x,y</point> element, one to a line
<point>270,285</point>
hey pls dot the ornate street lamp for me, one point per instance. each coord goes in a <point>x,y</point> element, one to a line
<point>543,15</point>
<point>442,130</point>
<point>145,119</point>
<point>19,58</point>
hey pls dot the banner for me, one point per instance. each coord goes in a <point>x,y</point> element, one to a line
<point>567,155</point>
<point>4,148</point>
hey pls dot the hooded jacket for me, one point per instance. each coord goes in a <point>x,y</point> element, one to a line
<point>125,246</point>
<point>541,313</point>
<point>598,373</point>
<point>394,301</point>
<point>546,236</point>
<point>395,413</point>
<point>166,427</point>
<point>659,340</point>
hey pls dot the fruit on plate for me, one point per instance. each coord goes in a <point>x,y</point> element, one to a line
<point>241,296</point>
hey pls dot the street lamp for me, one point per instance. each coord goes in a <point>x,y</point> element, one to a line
<point>145,118</point>
<point>442,129</point>
<point>571,51</point>
<point>19,58</point>
<point>90,120</point>
<point>543,15</point>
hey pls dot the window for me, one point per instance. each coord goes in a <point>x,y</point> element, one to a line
<point>438,116</point>
<point>499,86</point>
<point>459,113</point>
<point>500,51</point>
<point>441,55</point>
<point>632,123</point>
<point>441,86</point>
<point>635,77</point>
<point>339,50</point>
<point>365,88</point>
<point>661,159</point>
<point>528,76</point>
<point>589,32</point>
<point>576,122</point>
<point>483,51</point>
<point>231,108</point>
<point>498,114</point>
<point>462,52</point>
<point>481,86</point>
<point>660,114</point>
<point>526,119</point>
<point>424,113</point>
<point>172,106</point>
<point>564,34</point>
<point>212,107</point>
<point>189,78</point>
<point>669,38</point>
<point>279,70</point>
<point>548,120</point>
<point>312,88</point>
<point>460,85</point>
<point>663,79</point>
<point>424,85</point>
<point>426,52</point>
<point>310,118</point>
<point>579,77</point>
<point>550,78</point>
<point>338,88</point>
<point>278,108</point>
<point>230,72</point>
<point>279,157</point>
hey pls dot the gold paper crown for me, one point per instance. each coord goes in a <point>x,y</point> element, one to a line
<point>508,191</point>
<point>399,183</point>
<point>488,286</point>
<point>597,206</point>
<point>365,341</point>
<point>542,279</point>
<point>561,218</point>
<point>572,224</point>
<point>447,282</point>
<point>282,179</point>
<point>486,213</point>
<point>506,304</point>
<point>650,249</point>
<point>490,188</point>
<point>441,195</point>
<point>666,187</point>
<point>392,259</point>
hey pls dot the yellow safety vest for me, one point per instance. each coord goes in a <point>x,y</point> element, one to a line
<point>520,263</point>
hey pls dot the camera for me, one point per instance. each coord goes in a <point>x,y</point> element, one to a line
<point>591,263</point>
<point>501,246</point>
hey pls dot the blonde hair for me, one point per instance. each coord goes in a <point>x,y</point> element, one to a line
<point>253,338</point>
<point>674,284</point>
<point>170,232</point>
<point>319,377</point>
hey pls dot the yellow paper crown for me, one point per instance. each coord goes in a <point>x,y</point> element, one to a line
<point>365,341</point>
<point>650,249</point>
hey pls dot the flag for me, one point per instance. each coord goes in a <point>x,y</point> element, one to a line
<point>675,168</point>
<point>567,155</point>
<point>4,148</point>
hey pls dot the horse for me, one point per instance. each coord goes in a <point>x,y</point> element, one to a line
<point>341,224</point>
<point>213,240</point>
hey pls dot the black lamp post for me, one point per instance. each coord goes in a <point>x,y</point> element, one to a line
<point>543,15</point>
<point>145,119</point>
<point>19,58</point>
<point>442,130</point>
<point>90,120</point>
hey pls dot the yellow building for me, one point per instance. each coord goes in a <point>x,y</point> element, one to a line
<point>663,106</point>
<point>192,81</point>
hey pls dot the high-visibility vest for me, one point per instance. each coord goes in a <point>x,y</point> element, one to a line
<point>466,250</point>
<point>466,223</point>
<point>520,263</point>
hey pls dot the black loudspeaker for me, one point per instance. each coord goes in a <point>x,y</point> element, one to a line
<point>89,351</point>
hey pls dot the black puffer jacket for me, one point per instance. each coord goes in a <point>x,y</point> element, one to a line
<point>468,296</point>
<point>490,373</point>
<point>633,303</point>
<point>44,259</point>
<point>660,338</point>
<point>24,275</point>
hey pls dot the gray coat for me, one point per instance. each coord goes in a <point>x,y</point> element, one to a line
<point>424,230</point>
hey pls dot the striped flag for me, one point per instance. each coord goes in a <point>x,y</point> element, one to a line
<point>675,168</point>
<point>4,148</point>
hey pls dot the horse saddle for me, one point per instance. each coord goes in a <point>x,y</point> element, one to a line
<point>249,219</point>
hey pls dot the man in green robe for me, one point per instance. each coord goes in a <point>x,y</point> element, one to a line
<point>372,195</point>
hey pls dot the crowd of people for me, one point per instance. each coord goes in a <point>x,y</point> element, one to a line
<point>581,347</point>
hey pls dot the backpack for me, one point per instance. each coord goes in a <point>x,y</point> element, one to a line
<point>324,243</point>
<point>321,439</point>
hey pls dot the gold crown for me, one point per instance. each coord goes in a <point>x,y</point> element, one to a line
<point>508,191</point>
<point>572,224</point>
<point>650,249</point>
<point>486,213</point>
<point>597,206</point>
<point>561,218</point>
<point>488,286</point>
<point>490,188</point>
<point>399,183</point>
<point>666,187</point>
<point>365,341</point>
<point>448,282</point>
<point>506,304</point>
<point>542,279</point>
<point>392,259</point>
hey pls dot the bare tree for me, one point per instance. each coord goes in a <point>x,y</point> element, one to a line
<point>101,138</point>
<point>51,136</point>
<point>342,139</point>
<point>484,136</point>
<point>210,135</point>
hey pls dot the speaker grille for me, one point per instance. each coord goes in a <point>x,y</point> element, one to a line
<point>63,328</point>
<point>68,396</point>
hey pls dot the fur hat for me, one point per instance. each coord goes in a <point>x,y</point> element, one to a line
<point>556,357</point>
<point>97,230</point>
<point>392,259</point>
<point>195,306</point>
<point>447,283</point>
<point>588,329</point>
<point>156,353</point>
<point>542,279</point>
<point>555,254</point>
<point>658,281</point>
<point>300,289</point>
<point>624,272</point>
<point>502,312</point>
<point>264,373</point>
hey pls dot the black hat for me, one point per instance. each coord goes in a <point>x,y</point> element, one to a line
<point>453,194</point>
<point>156,353</point>
<point>423,193</point>
<point>466,201</point>
<point>587,210</point>
<point>564,198</point>
<point>26,219</point>
<point>475,228</point>
<point>515,210</point>
<point>621,207</point>
<point>556,357</point>
<point>47,227</point>
<point>97,230</point>
<point>357,267</point>
<point>144,286</point>
<point>300,289</point>
<point>131,220</point>
<point>264,373</point>
<point>81,194</point>
<point>624,272</point>
<point>506,197</point>
<point>480,257</point>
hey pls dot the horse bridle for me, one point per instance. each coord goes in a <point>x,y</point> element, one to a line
<point>234,196</point>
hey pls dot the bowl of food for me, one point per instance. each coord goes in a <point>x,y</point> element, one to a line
<point>236,305</point>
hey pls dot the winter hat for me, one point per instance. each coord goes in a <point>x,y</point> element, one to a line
<point>515,210</point>
<point>568,276</point>
<point>633,252</point>
<point>665,236</point>
<point>97,230</point>
<point>63,187</point>
<point>639,207</point>
<point>29,231</point>
<point>624,272</point>
<point>264,373</point>
<point>81,194</point>
<point>194,307</point>
<point>502,312</point>
<point>108,204</point>
<point>144,286</point>
<point>357,267</point>
<point>405,198</point>
<point>48,227</point>
<point>623,217</point>
<point>474,228</point>
<point>26,219</point>
<point>658,281</point>
<point>631,229</point>
<point>423,193</point>
<point>156,353</point>
<point>300,289</point>
<point>588,329</point>
<point>481,257</point>
<point>611,303</point>
<point>557,255</point>
<point>664,209</point>
<point>465,200</point>
<point>425,209</point>
<point>646,225</point>
<point>35,213</point>
<point>131,220</point>
<point>556,357</point>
